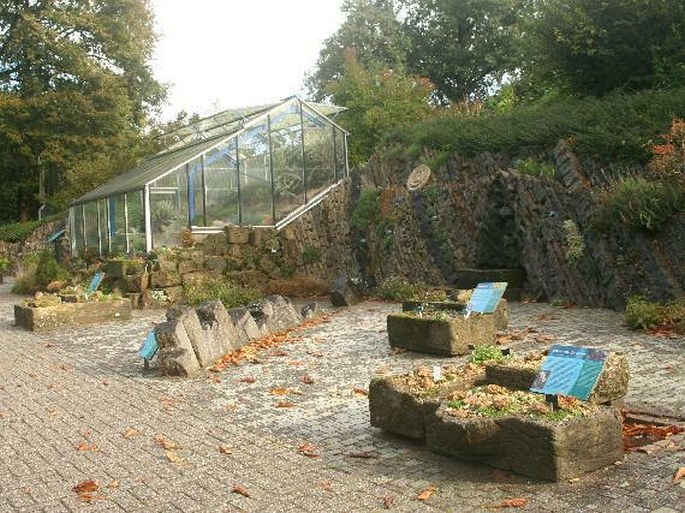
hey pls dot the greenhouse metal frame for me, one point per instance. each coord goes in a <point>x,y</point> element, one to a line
<point>259,166</point>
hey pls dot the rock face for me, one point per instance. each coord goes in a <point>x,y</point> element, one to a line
<point>445,337</point>
<point>176,355</point>
<point>482,214</point>
<point>219,327</point>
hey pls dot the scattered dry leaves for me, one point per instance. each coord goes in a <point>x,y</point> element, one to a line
<point>280,391</point>
<point>388,501</point>
<point>83,447</point>
<point>284,404</point>
<point>296,363</point>
<point>679,475</point>
<point>48,345</point>
<point>397,350</point>
<point>326,485</point>
<point>635,436</point>
<point>426,493</point>
<point>279,352</point>
<point>130,433</point>
<point>165,442</point>
<point>239,489</point>
<point>113,485</point>
<point>225,449</point>
<point>315,354</point>
<point>517,502</point>
<point>173,456</point>
<point>214,378</point>
<point>308,450</point>
<point>359,392</point>
<point>307,379</point>
<point>247,379</point>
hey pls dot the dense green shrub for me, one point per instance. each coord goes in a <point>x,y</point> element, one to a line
<point>36,271</point>
<point>229,294</point>
<point>641,204</point>
<point>367,211</point>
<point>18,232</point>
<point>641,314</point>
<point>399,288</point>
<point>615,127</point>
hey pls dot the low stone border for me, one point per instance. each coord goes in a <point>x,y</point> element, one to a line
<point>194,339</point>
<point>63,314</point>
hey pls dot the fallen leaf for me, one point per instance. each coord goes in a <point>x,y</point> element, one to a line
<point>130,433</point>
<point>387,501</point>
<point>48,345</point>
<point>517,502</point>
<point>166,443</point>
<point>240,490</point>
<point>225,449</point>
<point>83,447</point>
<point>296,363</point>
<point>279,352</point>
<point>86,490</point>
<point>679,474</point>
<point>105,382</point>
<point>214,378</point>
<point>308,450</point>
<point>426,493</point>
<point>247,379</point>
<point>86,433</point>
<point>279,391</point>
<point>173,456</point>
<point>113,485</point>
<point>316,354</point>
<point>574,480</point>
<point>359,392</point>
<point>326,485</point>
<point>397,350</point>
<point>364,455</point>
<point>284,404</point>
<point>307,379</point>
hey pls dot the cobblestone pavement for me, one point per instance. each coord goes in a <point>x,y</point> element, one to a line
<point>75,406</point>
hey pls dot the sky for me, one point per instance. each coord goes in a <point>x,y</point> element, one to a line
<point>219,54</point>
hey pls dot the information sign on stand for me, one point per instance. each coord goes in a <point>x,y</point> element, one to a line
<point>149,349</point>
<point>570,370</point>
<point>95,282</point>
<point>485,297</point>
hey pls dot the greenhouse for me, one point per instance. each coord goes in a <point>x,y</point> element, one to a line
<point>260,166</point>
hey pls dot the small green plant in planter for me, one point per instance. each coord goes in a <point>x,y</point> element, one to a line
<point>642,314</point>
<point>482,354</point>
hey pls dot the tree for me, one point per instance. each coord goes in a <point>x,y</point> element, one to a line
<point>463,46</point>
<point>371,28</point>
<point>378,100</point>
<point>76,91</point>
<point>589,47</point>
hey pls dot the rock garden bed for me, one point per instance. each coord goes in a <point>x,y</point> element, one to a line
<point>50,311</point>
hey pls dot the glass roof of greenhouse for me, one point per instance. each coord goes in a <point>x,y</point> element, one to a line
<point>188,142</point>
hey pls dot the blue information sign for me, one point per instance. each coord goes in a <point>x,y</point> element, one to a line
<point>150,347</point>
<point>95,282</point>
<point>570,370</point>
<point>486,296</point>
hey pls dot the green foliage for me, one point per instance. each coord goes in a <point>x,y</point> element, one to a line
<point>642,314</point>
<point>398,288</point>
<point>229,294</point>
<point>575,244</point>
<point>640,204</point>
<point>614,128</point>
<point>36,271</point>
<point>367,211</point>
<point>372,30</point>
<point>482,354</point>
<point>378,100</point>
<point>5,265</point>
<point>311,254</point>
<point>18,232</point>
<point>588,47</point>
<point>533,167</point>
<point>75,93</point>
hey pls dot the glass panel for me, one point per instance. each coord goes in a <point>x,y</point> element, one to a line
<point>92,239</point>
<point>255,176</point>
<point>136,222</point>
<point>340,160</point>
<point>79,240</point>
<point>103,225</point>
<point>117,224</point>
<point>318,144</point>
<point>195,182</point>
<point>169,209</point>
<point>286,147</point>
<point>221,180</point>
